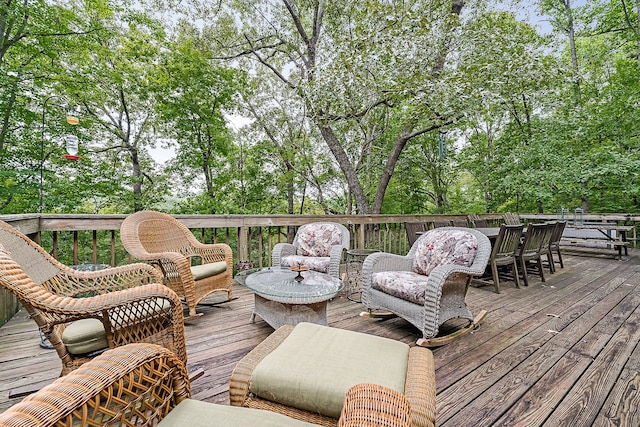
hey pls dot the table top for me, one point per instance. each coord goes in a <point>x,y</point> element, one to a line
<point>361,252</point>
<point>279,284</point>
<point>90,267</point>
<point>490,232</point>
<point>602,227</point>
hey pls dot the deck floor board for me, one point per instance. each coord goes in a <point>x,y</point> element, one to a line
<point>563,352</point>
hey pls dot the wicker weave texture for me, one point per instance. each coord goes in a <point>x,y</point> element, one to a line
<point>128,300</point>
<point>168,244</point>
<point>420,386</point>
<point>133,385</point>
<point>371,404</point>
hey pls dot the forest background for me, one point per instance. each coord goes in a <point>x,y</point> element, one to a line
<point>372,106</point>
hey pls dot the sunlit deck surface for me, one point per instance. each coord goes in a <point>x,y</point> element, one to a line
<point>560,353</point>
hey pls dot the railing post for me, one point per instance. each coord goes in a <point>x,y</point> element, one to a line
<point>243,239</point>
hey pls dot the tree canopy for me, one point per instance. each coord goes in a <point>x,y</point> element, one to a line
<point>286,106</point>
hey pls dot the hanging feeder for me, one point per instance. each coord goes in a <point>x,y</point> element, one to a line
<point>71,142</point>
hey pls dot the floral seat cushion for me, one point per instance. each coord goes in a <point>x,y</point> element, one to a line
<point>316,239</point>
<point>320,264</point>
<point>406,285</point>
<point>439,247</point>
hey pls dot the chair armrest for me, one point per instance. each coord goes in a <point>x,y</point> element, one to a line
<point>281,250</point>
<point>133,373</point>
<point>335,254</point>
<point>212,252</point>
<point>172,265</point>
<point>74,282</point>
<point>374,405</point>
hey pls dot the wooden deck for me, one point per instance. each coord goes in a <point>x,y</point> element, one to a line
<point>563,353</point>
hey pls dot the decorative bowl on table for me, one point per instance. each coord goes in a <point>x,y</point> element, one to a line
<point>299,269</point>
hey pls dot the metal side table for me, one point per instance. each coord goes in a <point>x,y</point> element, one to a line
<point>353,277</point>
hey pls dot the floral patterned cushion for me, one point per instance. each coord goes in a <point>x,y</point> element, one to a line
<point>438,247</point>
<point>316,239</point>
<point>320,264</point>
<point>407,285</point>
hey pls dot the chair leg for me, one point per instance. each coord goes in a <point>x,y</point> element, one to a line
<point>496,280</point>
<point>516,275</point>
<point>552,267</point>
<point>539,261</point>
<point>560,259</point>
<point>523,265</point>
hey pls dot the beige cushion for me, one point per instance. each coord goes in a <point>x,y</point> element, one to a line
<point>208,270</point>
<point>194,413</point>
<point>314,367</point>
<point>87,335</point>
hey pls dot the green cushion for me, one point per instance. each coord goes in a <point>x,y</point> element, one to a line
<point>84,336</point>
<point>87,335</point>
<point>315,366</point>
<point>208,270</point>
<point>194,413</point>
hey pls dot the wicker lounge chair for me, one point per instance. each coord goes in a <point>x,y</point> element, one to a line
<point>318,245</point>
<point>168,244</point>
<point>147,385</point>
<point>428,286</point>
<point>296,357</point>
<point>84,313</point>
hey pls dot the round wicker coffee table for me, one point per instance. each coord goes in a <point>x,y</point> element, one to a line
<point>280,299</point>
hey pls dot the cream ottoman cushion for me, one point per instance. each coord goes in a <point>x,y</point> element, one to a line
<point>313,368</point>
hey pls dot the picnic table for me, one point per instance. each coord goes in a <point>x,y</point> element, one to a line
<point>605,234</point>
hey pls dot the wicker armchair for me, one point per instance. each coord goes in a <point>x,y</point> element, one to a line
<point>428,286</point>
<point>147,385</point>
<point>127,304</point>
<point>318,245</point>
<point>169,245</point>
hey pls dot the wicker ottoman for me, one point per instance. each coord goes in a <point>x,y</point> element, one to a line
<point>419,381</point>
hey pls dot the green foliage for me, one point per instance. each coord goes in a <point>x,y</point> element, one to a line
<point>531,124</point>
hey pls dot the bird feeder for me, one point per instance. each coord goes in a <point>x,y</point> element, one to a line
<point>71,142</point>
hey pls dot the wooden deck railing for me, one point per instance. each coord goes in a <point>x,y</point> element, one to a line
<point>94,239</point>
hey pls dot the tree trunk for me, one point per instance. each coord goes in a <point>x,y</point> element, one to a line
<point>572,44</point>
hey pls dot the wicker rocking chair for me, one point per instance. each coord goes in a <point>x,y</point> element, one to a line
<point>428,286</point>
<point>84,313</point>
<point>170,246</point>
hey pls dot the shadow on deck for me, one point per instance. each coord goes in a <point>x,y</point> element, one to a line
<point>560,353</point>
